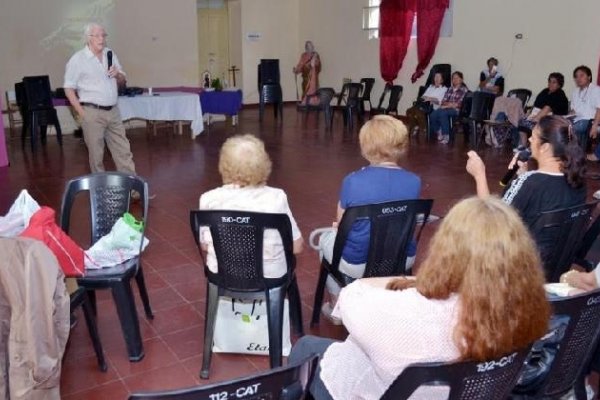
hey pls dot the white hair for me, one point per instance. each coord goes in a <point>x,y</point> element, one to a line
<point>87,30</point>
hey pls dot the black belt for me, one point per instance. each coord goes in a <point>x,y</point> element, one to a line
<point>105,108</point>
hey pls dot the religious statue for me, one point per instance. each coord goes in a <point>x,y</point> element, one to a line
<point>309,66</point>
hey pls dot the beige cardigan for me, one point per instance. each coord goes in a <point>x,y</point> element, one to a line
<point>34,320</point>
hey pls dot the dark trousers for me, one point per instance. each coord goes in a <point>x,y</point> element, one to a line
<point>306,346</point>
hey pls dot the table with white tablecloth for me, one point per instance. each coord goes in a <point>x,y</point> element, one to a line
<point>164,106</point>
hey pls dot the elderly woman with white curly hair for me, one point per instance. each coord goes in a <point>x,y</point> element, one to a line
<point>245,167</point>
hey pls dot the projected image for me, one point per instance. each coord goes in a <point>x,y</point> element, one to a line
<point>70,32</point>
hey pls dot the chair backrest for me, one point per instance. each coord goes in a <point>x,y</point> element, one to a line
<point>522,94</point>
<point>284,383</point>
<point>481,106</point>
<point>386,92</point>
<point>271,93</point>
<point>268,72</point>
<point>237,238</point>
<point>368,84</point>
<point>110,198</point>
<point>590,237</point>
<point>20,97</point>
<point>354,91</point>
<point>395,95</point>
<point>37,92</point>
<point>325,96</point>
<point>468,380</point>
<point>392,227</point>
<point>559,235</point>
<point>444,69</point>
<point>577,345</point>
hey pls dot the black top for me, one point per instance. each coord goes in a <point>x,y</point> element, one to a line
<point>498,82</point>
<point>557,101</point>
<point>535,192</point>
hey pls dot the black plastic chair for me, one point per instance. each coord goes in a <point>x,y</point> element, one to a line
<point>589,238</point>
<point>394,94</point>
<point>80,298</point>
<point>559,235</point>
<point>576,348</point>
<point>392,227</point>
<point>35,98</point>
<point>271,94</point>
<point>343,94</point>
<point>481,109</point>
<point>468,380</point>
<point>110,198</point>
<point>284,383</point>
<point>353,105</point>
<point>368,84</point>
<point>522,94</point>
<point>238,242</point>
<point>325,96</point>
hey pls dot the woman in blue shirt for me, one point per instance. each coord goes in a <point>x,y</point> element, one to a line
<point>383,142</point>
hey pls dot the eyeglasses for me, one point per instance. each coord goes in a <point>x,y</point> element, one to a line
<point>103,36</point>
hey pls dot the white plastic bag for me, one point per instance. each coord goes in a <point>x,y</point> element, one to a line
<point>18,216</point>
<point>242,327</point>
<point>122,243</point>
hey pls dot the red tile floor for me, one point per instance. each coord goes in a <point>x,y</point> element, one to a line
<point>308,163</point>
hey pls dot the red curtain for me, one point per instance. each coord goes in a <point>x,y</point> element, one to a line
<point>430,14</point>
<point>395,24</point>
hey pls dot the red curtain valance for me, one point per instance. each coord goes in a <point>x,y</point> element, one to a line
<point>395,25</point>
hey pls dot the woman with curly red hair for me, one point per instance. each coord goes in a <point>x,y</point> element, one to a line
<point>478,295</point>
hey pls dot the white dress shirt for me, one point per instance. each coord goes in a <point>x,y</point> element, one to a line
<point>585,102</point>
<point>437,93</point>
<point>89,77</point>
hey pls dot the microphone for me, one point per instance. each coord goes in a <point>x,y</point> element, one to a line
<point>523,156</point>
<point>109,58</point>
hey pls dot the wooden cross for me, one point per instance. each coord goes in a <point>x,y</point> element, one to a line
<point>233,70</point>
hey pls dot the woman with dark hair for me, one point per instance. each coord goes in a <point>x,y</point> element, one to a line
<point>550,101</point>
<point>490,79</point>
<point>450,107</point>
<point>559,181</point>
<point>466,303</point>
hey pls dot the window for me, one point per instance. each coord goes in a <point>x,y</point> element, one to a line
<point>371,20</point>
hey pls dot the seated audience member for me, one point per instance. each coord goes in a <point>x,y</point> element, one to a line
<point>549,101</point>
<point>450,107</point>
<point>559,181</point>
<point>431,100</point>
<point>383,142</point>
<point>490,79</point>
<point>585,101</point>
<point>245,166</point>
<point>468,302</point>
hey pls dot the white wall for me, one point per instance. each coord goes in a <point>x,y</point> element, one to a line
<point>558,35</point>
<point>277,23</point>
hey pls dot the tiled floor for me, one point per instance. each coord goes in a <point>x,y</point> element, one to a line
<point>309,164</point>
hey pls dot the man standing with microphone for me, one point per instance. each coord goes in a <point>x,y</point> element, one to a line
<point>91,79</point>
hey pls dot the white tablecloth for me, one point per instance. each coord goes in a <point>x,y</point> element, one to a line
<point>168,106</point>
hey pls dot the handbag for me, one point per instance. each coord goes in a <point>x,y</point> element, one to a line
<point>242,327</point>
<point>42,226</point>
